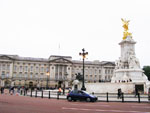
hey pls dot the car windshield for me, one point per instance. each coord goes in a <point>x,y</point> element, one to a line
<point>80,91</point>
<point>86,92</point>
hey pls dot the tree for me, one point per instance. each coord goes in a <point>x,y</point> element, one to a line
<point>147,71</point>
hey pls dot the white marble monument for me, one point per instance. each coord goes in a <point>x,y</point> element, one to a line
<point>128,68</point>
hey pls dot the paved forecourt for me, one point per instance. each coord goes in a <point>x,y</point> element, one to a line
<point>24,104</point>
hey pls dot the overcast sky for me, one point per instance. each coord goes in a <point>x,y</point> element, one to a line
<point>40,28</point>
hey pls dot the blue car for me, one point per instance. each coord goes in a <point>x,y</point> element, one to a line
<point>81,95</point>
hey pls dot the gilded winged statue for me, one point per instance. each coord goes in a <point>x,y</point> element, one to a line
<point>125,26</point>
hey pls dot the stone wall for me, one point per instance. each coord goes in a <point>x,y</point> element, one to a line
<point>109,87</point>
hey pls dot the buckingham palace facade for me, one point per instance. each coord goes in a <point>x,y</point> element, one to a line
<point>54,71</point>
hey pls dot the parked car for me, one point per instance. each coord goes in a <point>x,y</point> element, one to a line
<point>81,95</point>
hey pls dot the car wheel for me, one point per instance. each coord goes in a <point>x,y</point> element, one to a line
<point>88,99</point>
<point>69,99</point>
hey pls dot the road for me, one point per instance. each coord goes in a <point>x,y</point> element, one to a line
<point>24,104</point>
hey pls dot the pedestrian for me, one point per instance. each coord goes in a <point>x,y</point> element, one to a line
<point>119,93</point>
<point>149,94</point>
<point>13,91</point>
<point>136,92</point>
<point>10,90</point>
<point>59,90</point>
<point>18,89</point>
<point>1,90</point>
<point>63,91</point>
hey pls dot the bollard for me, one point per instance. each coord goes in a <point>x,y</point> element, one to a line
<point>21,92</point>
<point>122,97</point>
<point>24,92</point>
<point>139,97</point>
<point>31,93</point>
<point>36,93</point>
<point>49,95</point>
<point>42,94</point>
<point>107,97</point>
<point>57,95</point>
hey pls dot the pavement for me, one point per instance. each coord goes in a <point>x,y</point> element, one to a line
<point>27,104</point>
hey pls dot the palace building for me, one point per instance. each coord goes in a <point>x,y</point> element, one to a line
<point>52,72</point>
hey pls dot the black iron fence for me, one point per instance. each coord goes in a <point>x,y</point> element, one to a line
<point>102,97</point>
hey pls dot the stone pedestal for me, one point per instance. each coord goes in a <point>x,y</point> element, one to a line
<point>127,68</point>
<point>129,75</point>
<point>76,85</point>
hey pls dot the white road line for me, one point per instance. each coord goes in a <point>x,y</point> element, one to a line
<point>141,104</point>
<point>91,105</point>
<point>141,107</point>
<point>83,109</point>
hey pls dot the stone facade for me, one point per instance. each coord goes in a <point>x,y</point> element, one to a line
<point>54,71</point>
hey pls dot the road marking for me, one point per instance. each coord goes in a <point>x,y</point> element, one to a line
<point>91,105</point>
<point>143,104</point>
<point>140,107</point>
<point>83,109</point>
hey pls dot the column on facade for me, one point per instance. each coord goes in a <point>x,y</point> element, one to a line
<point>11,69</point>
<point>52,72</point>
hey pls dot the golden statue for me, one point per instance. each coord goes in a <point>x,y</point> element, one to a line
<point>125,26</point>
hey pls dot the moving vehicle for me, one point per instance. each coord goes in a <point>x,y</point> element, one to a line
<point>81,95</point>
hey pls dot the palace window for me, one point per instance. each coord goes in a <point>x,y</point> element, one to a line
<point>8,67</point>
<point>3,67</point>
<point>25,75</point>
<point>7,75</point>
<point>37,69</point>
<point>31,75</point>
<point>60,76</point>
<point>42,69</point>
<point>14,75</point>
<point>56,77</point>
<point>105,77</point>
<point>105,71</point>
<point>100,71</point>
<point>108,71</point>
<point>36,75</point>
<point>99,76</point>
<point>31,68</point>
<point>20,69</point>
<point>95,71</point>
<point>111,71</point>
<point>15,68</point>
<point>3,73</point>
<point>47,69</point>
<point>26,68</point>
<point>86,76</point>
<point>20,75</point>
<point>42,75</point>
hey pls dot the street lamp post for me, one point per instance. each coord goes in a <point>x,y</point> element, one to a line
<point>47,74</point>
<point>83,54</point>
